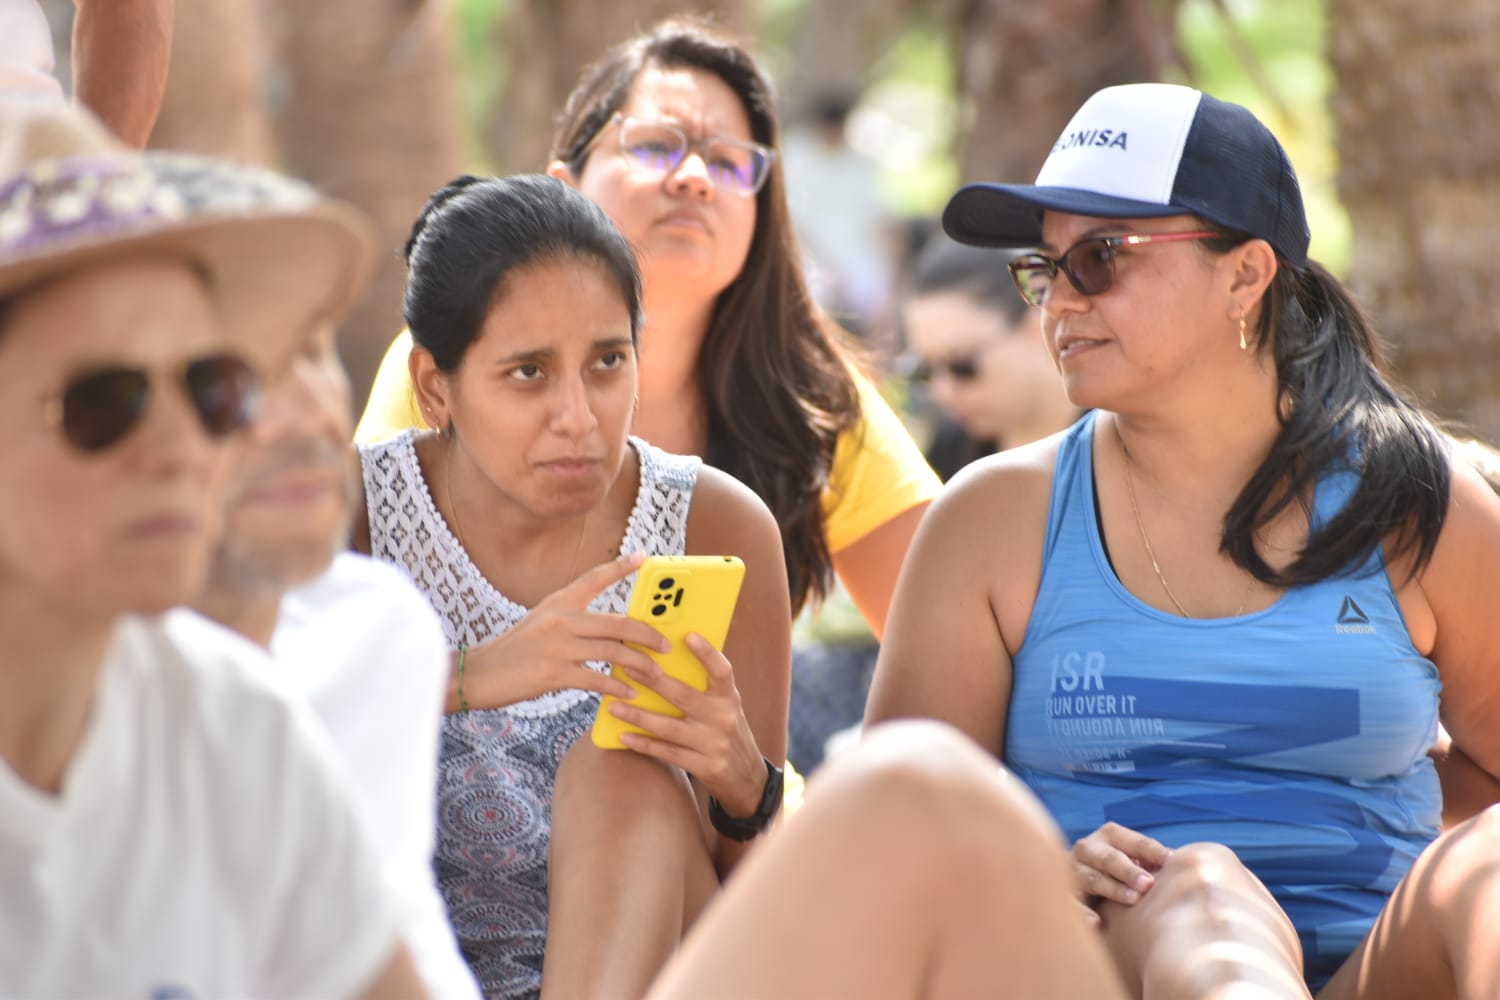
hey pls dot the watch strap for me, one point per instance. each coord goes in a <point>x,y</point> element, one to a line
<point>749,827</point>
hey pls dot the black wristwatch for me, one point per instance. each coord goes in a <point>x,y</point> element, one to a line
<point>747,828</point>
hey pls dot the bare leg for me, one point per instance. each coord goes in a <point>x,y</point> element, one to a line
<point>916,868</point>
<point>1207,929</point>
<point>629,870</point>
<point>1436,936</point>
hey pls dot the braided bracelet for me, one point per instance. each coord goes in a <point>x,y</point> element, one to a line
<point>463,703</point>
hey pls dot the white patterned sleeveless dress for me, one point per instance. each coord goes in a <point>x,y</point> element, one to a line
<point>498,765</point>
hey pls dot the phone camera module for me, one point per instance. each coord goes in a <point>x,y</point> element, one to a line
<point>657,610</point>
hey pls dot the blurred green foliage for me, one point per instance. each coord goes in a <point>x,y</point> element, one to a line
<point>482,66</point>
<point>1288,91</point>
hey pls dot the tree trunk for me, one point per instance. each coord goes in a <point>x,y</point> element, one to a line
<point>1419,165</point>
<point>215,99</point>
<point>365,108</point>
<point>835,48</point>
<point>1024,68</point>
<point>548,43</point>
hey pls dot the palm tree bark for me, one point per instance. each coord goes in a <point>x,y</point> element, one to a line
<point>548,42</point>
<point>1024,68</point>
<point>216,81</point>
<point>1415,105</point>
<point>365,108</point>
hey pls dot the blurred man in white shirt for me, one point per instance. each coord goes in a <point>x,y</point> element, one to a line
<point>346,633</point>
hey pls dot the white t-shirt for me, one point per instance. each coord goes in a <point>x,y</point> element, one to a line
<point>364,648</point>
<point>26,58</point>
<point>200,846</point>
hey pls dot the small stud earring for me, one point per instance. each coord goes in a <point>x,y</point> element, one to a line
<point>1243,344</point>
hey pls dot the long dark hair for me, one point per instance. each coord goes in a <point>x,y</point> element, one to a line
<point>474,232</point>
<point>773,373</point>
<point>1338,411</point>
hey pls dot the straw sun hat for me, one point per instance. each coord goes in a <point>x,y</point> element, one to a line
<point>279,258</point>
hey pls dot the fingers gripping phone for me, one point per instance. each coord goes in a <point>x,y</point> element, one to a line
<point>674,595</point>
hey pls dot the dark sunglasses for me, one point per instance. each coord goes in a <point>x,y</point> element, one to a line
<point>961,369</point>
<point>1089,264</point>
<point>97,408</point>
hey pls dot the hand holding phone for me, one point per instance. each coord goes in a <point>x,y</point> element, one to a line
<point>674,595</point>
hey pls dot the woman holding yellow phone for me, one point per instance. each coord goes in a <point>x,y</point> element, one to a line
<point>524,306</point>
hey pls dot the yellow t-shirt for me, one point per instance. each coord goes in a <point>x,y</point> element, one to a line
<point>878,470</point>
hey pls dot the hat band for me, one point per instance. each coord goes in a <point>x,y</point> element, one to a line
<point>58,202</point>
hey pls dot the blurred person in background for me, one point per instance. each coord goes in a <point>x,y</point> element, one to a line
<point>978,346</point>
<point>1468,789</point>
<point>840,218</point>
<point>347,634</point>
<point>170,824</point>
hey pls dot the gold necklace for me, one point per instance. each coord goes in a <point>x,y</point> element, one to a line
<point>458,527</point>
<point>1146,539</point>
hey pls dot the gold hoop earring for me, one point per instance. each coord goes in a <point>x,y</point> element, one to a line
<point>1243,345</point>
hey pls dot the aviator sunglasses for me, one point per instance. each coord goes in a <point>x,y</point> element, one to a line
<point>1089,264</point>
<point>98,407</point>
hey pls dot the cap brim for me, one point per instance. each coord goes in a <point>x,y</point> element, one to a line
<point>1010,215</point>
<point>275,276</point>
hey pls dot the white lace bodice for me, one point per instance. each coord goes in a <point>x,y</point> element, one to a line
<point>406,529</point>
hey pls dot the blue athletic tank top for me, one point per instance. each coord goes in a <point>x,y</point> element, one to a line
<point>1296,735</point>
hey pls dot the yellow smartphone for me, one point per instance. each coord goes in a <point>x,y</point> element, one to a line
<point>674,595</point>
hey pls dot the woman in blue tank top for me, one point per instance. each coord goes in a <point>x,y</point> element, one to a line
<point>1214,625</point>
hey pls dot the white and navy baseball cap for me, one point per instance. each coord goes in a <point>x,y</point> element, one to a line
<point>1148,150</point>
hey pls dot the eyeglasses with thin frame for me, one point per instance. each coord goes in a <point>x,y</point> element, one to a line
<point>1089,264</point>
<point>733,165</point>
<point>97,408</point>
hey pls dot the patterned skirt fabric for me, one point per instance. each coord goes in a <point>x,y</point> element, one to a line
<point>494,830</point>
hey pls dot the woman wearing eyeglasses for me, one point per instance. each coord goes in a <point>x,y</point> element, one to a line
<point>168,824</point>
<point>1214,624</point>
<point>979,346</point>
<point>674,134</point>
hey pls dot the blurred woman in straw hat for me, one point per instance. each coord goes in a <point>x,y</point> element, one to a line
<point>168,825</point>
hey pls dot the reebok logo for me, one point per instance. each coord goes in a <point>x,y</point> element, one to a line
<point>1352,619</point>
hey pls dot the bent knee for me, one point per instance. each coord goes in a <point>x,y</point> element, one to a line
<point>1211,879</point>
<point>607,774</point>
<point>931,771</point>
<point>1205,873</point>
<point>1463,859</point>
<point>1487,822</point>
<point>1203,861</point>
<point>912,760</point>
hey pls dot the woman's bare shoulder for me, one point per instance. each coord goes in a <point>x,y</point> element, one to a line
<point>724,512</point>
<point>1015,485</point>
